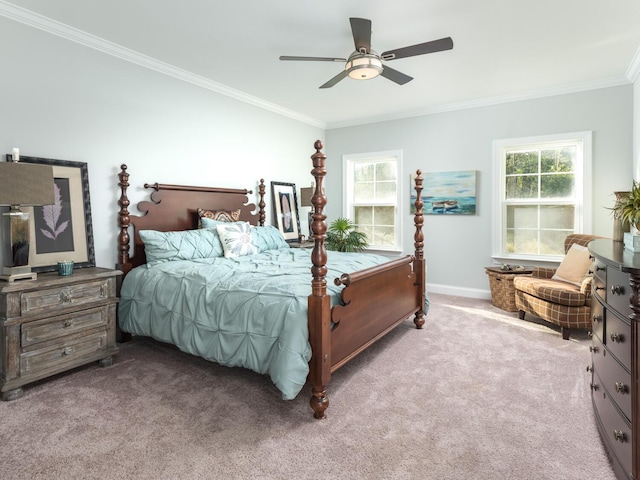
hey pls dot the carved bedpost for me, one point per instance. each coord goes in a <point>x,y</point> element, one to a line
<point>420,267</point>
<point>261,213</point>
<point>319,302</point>
<point>123,221</point>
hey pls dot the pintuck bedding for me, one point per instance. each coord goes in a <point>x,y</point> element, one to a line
<point>240,311</point>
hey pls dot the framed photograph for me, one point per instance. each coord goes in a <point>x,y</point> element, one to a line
<point>62,231</point>
<point>285,208</point>
<point>447,193</point>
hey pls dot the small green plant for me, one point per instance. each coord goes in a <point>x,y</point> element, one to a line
<point>627,208</point>
<point>342,236</point>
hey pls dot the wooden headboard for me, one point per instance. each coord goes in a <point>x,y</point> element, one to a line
<point>174,208</point>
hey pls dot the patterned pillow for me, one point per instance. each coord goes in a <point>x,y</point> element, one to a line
<point>186,245</point>
<point>220,215</point>
<point>236,239</point>
<point>268,238</point>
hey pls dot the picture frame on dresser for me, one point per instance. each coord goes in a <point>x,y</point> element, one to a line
<point>285,209</point>
<point>63,231</point>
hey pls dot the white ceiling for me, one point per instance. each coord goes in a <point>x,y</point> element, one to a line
<point>503,49</point>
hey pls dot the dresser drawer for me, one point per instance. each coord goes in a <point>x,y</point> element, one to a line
<point>597,319</point>
<point>617,337</point>
<point>618,291</point>
<point>615,378</point>
<point>615,429</point>
<point>62,355</point>
<point>67,296</point>
<point>599,282</point>
<point>63,325</point>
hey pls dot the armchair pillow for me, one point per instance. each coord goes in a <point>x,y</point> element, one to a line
<point>574,266</point>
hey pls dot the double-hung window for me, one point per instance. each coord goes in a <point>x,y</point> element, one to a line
<point>372,196</point>
<point>541,194</point>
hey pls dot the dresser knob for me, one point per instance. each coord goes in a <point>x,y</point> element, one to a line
<point>617,289</point>
<point>589,368</point>
<point>67,351</point>
<point>67,323</point>
<point>599,288</point>
<point>598,268</point>
<point>621,387</point>
<point>594,349</point>
<point>596,318</point>
<point>66,297</point>
<point>619,436</point>
<point>594,386</point>
<point>590,334</point>
<point>617,337</point>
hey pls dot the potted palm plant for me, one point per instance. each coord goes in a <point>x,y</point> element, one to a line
<point>342,236</point>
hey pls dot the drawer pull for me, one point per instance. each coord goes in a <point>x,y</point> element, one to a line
<point>67,351</point>
<point>598,268</point>
<point>617,337</point>
<point>68,323</point>
<point>593,386</point>
<point>599,288</point>
<point>589,368</point>
<point>621,387</point>
<point>594,349</point>
<point>596,318</point>
<point>66,297</point>
<point>617,289</point>
<point>619,436</point>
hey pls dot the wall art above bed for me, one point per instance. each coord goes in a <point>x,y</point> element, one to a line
<point>62,231</point>
<point>285,209</point>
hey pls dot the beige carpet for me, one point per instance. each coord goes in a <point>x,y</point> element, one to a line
<point>477,394</point>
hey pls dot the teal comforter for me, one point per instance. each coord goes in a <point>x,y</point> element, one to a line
<point>247,312</point>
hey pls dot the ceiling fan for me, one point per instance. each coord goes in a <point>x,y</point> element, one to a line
<point>365,63</point>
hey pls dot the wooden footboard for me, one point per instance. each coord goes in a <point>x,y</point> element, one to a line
<point>374,301</point>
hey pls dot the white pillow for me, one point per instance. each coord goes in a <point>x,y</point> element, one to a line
<point>574,266</point>
<point>236,239</point>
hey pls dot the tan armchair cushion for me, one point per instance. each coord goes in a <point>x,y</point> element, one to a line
<point>575,265</point>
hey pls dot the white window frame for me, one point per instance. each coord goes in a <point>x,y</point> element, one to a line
<point>582,219</point>
<point>348,160</point>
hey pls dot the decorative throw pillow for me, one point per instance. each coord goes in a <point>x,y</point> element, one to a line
<point>268,238</point>
<point>186,245</point>
<point>236,239</point>
<point>220,215</point>
<point>574,266</point>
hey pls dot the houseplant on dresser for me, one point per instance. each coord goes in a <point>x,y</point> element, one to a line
<point>626,213</point>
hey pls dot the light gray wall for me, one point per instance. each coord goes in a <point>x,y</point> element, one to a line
<point>457,248</point>
<point>636,129</point>
<point>65,101</point>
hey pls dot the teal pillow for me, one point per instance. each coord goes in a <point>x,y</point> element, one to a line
<point>206,222</point>
<point>268,238</point>
<point>186,245</point>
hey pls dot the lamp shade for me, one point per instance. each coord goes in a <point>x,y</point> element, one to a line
<point>26,184</point>
<point>305,196</point>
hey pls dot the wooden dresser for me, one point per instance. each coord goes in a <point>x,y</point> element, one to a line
<point>614,353</point>
<point>55,323</point>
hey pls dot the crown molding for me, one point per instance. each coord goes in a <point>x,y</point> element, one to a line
<point>634,67</point>
<point>54,27</point>
<point>489,101</point>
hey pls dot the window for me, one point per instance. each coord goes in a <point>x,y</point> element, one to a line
<point>372,196</point>
<point>542,194</point>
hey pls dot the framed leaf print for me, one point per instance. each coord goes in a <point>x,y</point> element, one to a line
<point>285,208</point>
<point>62,231</point>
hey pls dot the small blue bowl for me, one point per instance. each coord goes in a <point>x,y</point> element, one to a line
<point>65,268</point>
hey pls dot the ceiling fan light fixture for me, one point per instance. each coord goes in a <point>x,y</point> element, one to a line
<point>363,66</point>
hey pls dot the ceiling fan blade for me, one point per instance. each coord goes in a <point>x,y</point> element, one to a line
<point>361,30</point>
<point>420,49</point>
<point>395,76</point>
<point>335,80</point>
<point>313,59</point>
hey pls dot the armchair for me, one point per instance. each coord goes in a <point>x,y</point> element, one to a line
<point>562,303</point>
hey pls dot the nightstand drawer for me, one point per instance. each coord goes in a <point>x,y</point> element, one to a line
<point>62,355</point>
<point>68,296</point>
<point>63,325</point>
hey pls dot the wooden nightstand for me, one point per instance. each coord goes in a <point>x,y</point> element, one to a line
<point>55,323</point>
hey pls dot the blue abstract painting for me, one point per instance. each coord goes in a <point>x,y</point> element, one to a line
<point>447,193</point>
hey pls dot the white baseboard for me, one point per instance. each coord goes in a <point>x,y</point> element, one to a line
<point>459,291</point>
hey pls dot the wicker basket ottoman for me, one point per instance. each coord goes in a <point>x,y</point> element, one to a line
<point>503,293</point>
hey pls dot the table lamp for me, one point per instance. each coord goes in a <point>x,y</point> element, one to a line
<point>21,185</point>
